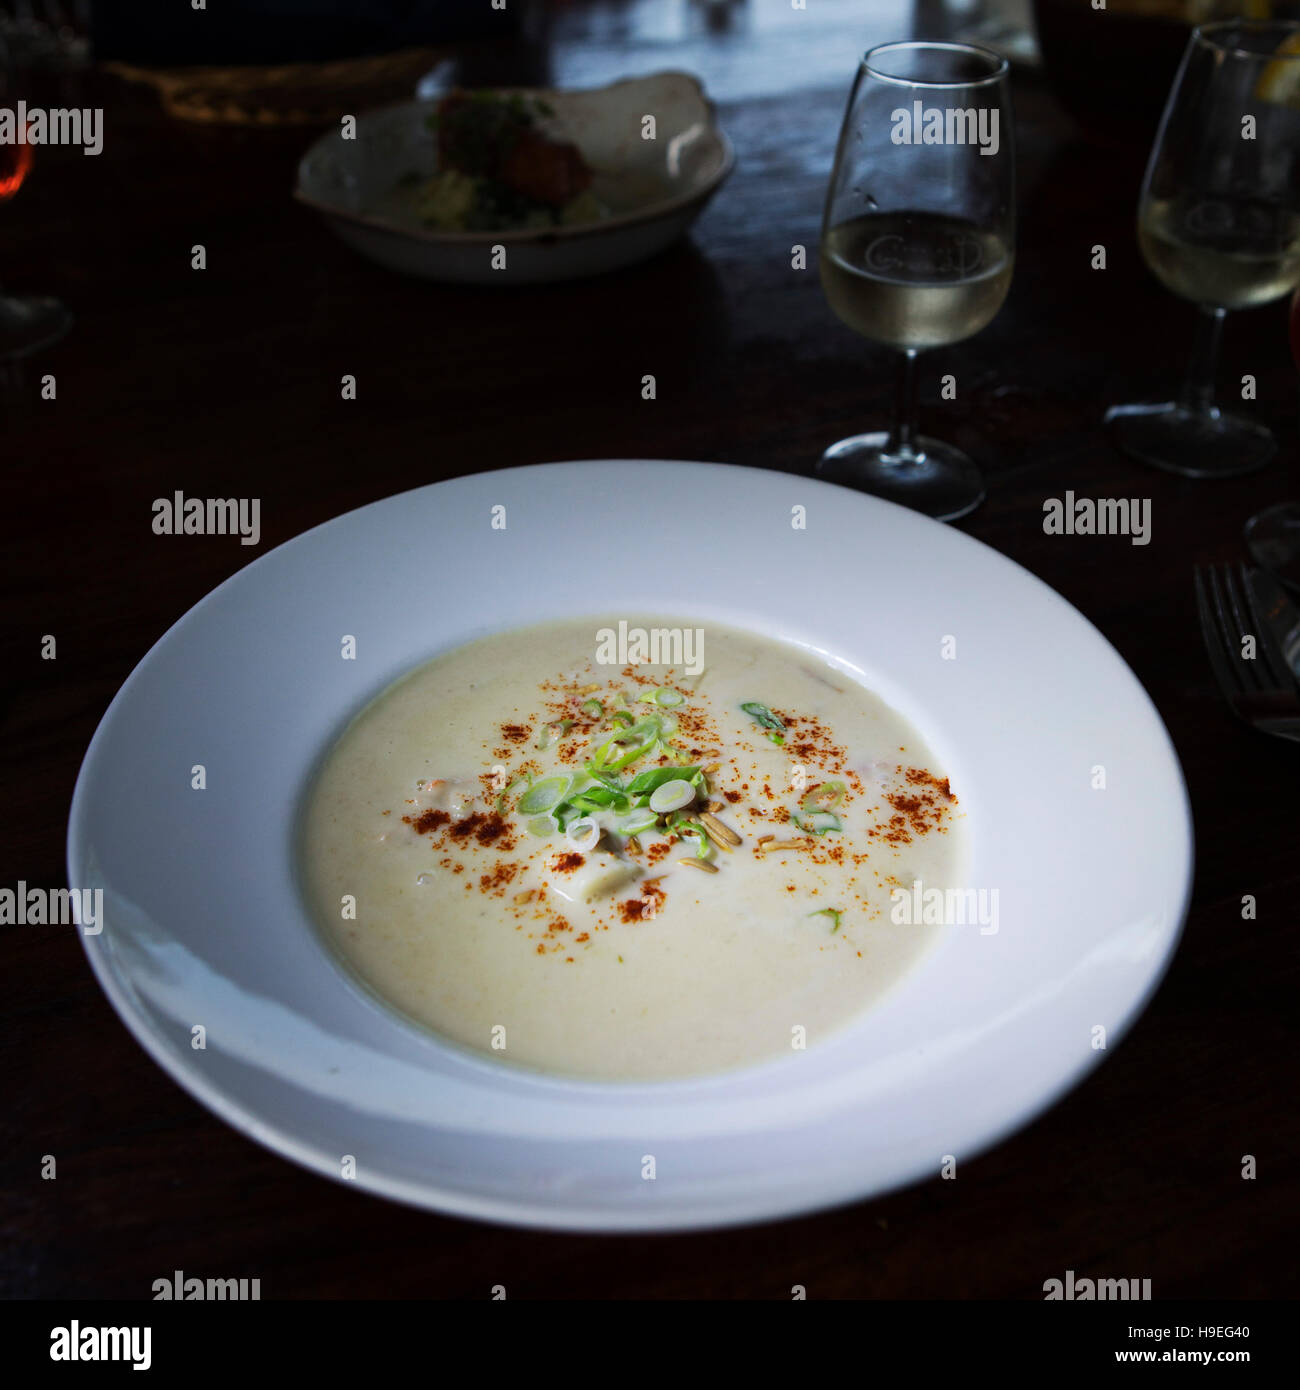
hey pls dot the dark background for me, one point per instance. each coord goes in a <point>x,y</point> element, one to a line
<point>225,383</point>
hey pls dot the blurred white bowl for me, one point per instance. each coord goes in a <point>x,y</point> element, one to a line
<point>657,187</point>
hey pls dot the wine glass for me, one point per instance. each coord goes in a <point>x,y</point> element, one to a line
<point>918,244</point>
<point>1219,224</point>
<point>27,323</point>
<point>1273,535</point>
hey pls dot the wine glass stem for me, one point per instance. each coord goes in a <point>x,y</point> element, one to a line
<point>901,432</point>
<point>1198,389</point>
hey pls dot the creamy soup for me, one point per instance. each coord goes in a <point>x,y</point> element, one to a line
<point>628,850</point>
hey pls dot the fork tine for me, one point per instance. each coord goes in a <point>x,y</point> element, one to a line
<point>1224,670</point>
<point>1235,628</point>
<point>1279,673</point>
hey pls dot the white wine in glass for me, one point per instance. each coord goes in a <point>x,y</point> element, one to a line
<point>1231,255</point>
<point>914,279</point>
<point>1219,225</point>
<point>918,244</point>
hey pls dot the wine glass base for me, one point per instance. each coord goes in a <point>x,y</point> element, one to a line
<point>1273,539</point>
<point>1210,445</point>
<point>28,324</point>
<point>936,479</point>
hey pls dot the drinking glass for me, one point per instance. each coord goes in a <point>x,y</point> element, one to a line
<point>26,323</point>
<point>1273,535</point>
<point>918,244</point>
<point>1219,224</point>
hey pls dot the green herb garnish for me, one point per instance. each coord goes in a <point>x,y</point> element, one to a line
<point>816,822</point>
<point>681,827</point>
<point>638,821</point>
<point>672,795</point>
<point>645,782</point>
<point>669,699</point>
<point>509,790</point>
<point>825,797</point>
<point>552,733</point>
<point>769,721</point>
<point>545,795</point>
<point>833,913</point>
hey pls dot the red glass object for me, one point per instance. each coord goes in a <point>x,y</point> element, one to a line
<point>15,160</point>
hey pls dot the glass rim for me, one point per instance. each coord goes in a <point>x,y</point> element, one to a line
<point>1208,34</point>
<point>1000,65</point>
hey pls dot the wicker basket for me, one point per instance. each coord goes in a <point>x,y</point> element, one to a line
<point>292,94</point>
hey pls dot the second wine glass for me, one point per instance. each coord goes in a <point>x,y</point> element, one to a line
<point>1219,224</point>
<point>918,244</point>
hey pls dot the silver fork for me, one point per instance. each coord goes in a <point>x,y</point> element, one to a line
<point>1260,689</point>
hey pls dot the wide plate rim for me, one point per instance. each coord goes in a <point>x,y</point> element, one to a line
<point>756,1206</point>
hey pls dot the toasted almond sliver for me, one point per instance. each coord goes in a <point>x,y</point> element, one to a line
<point>587,689</point>
<point>712,767</point>
<point>787,844</point>
<point>717,840</point>
<point>722,833</point>
<point>700,864</point>
<point>701,820</point>
<point>763,839</point>
<point>525,897</point>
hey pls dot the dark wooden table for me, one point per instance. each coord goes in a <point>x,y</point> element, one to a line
<point>225,383</point>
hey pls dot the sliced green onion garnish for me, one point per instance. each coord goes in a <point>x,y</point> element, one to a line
<point>582,834</point>
<point>665,698</point>
<point>605,779</point>
<point>654,777</point>
<point>621,716</point>
<point>825,797</point>
<point>671,796</point>
<point>544,795</point>
<point>647,728</point>
<point>510,790</point>
<point>635,741</point>
<point>763,715</point>
<point>542,826</point>
<point>816,822</point>
<point>637,821</point>
<point>552,732</point>
<point>592,707</point>
<point>638,750</point>
<point>679,825</point>
<point>595,798</point>
<point>833,913</point>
